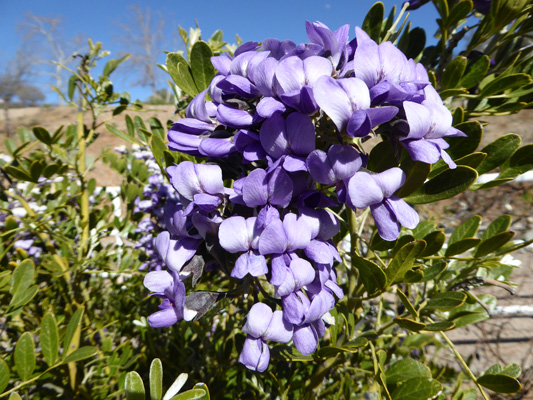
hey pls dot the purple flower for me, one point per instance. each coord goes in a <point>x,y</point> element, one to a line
<point>482,6</point>
<point>236,235</point>
<point>415,4</point>
<point>377,191</point>
<point>429,123</point>
<point>261,325</point>
<point>168,287</point>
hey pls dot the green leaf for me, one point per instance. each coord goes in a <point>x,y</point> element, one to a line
<point>80,354</point>
<point>454,72</point>
<point>434,271</point>
<point>471,160</point>
<point>158,150</point>
<point>403,261</point>
<point>445,301</point>
<point>372,276</point>
<point>134,386</point>
<point>405,301</point>
<point>121,135</point>
<point>179,71</point>
<point>475,72</point>
<point>357,342</point>
<point>157,128</point>
<point>500,224</point>
<point>201,67</point>
<point>289,353</point>
<point>467,229</point>
<point>42,135</point>
<point>193,394</point>
<point>111,65</point>
<point>434,242</point>
<point>176,386</point>
<point>71,86</point>
<point>22,278</point>
<point>498,152</point>
<point>500,383</point>
<point>417,43</point>
<point>156,379</point>
<point>459,12</point>
<point>462,146</point>
<point>382,157</point>
<point>50,170</point>
<point>440,326</point>
<point>25,356</point>
<point>443,186</point>
<point>49,339</point>
<point>513,370</point>
<point>140,127</point>
<point>461,246</point>
<point>373,20</point>
<point>18,173</point>
<point>416,173</point>
<point>493,243</point>
<point>73,325</point>
<point>4,375</point>
<point>503,83</point>
<point>521,161</point>
<point>406,369</point>
<point>417,389</point>
<point>14,396</point>
<point>410,324</point>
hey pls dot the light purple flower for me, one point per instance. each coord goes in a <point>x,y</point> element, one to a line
<point>261,325</point>
<point>168,287</point>
<point>377,191</point>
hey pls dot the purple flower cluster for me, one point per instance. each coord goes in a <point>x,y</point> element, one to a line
<point>293,116</point>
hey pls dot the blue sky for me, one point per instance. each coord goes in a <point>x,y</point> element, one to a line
<point>253,20</point>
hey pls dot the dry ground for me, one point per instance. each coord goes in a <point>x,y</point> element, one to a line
<point>498,340</point>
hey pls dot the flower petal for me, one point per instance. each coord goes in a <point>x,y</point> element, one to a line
<point>278,330</point>
<point>257,320</point>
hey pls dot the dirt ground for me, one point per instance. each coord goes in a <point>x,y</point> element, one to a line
<point>502,339</point>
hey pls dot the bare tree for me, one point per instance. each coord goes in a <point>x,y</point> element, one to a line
<point>57,49</point>
<point>143,39</point>
<point>12,80</point>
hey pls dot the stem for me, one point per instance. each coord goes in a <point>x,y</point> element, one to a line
<point>352,228</point>
<point>84,200</point>
<point>463,363</point>
<point>393,27</point>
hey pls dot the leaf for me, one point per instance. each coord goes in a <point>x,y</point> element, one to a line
<point>176,386</point>
<point>201,66</point>
<point>445,301</point>
<point>18,173</point>
<point>290,353</point>
<point>42,135</point>
<point>503,83</point>
<point>462,146</point>
<point>120,134</point>
<point>493,243</point>
<point>454,72</point>
<point>410,324</point>
<point>417,43</point>
<point>22,277</point>
<point>382,157</point>
<point>72,327</point>
<point>500,224</point>
<point>406,369</point>
<point>23,297</point>
<point>14,396</point>
<point>405,301</point>
<point>158,150</point>
<point>80,354</point>
<point>470,160</point>
<point>71,86</point>
<point>475,72</point>
<point>461,246</point>
<point>193,394</point>
<point>434,271</point>
<point>403,261</point>
<point>443,186</point>
<point>417,389</point>
<point>134,386</point>
<point>111,65</point>
<point>467,229</point>
<point>512,370</point>
<point>156,379</point>
<point>459,12</point>
<point>4,375</point>
<point>25,356</point>
<point>498,152</point>
<point>500,383</point>
<point>372,276</point>
<point>521,161</point>
<point>434,242</point>
<point>157,127</point>
<point>440,326</point>
<point>416,173</point>
<point>373,21</point>
<point>179,71</point>
<point>49,339</point>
